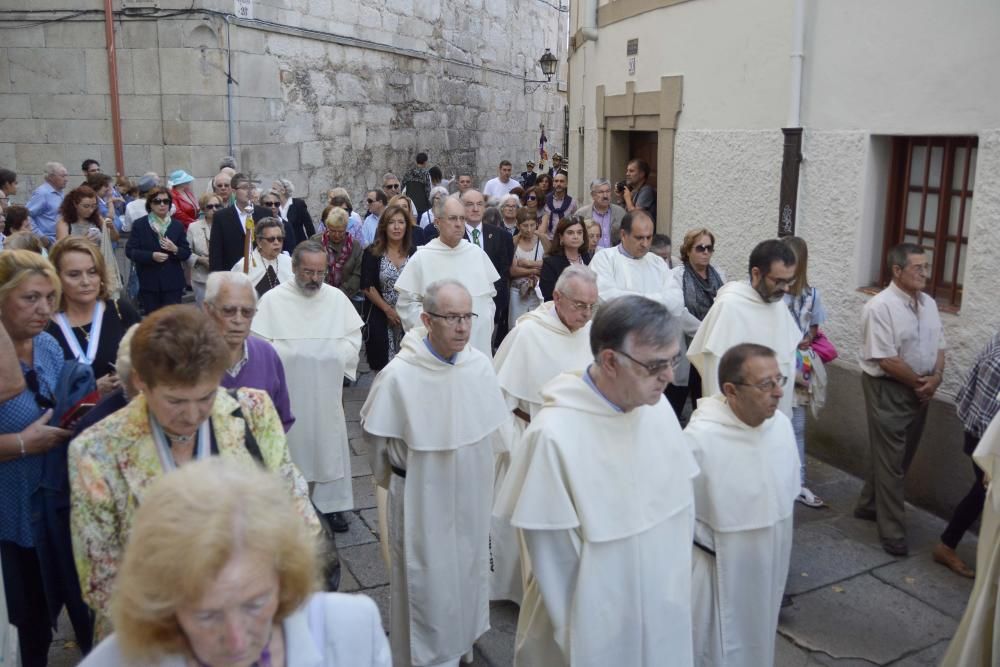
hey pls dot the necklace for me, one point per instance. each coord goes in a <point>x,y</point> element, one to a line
<point>86,334</point>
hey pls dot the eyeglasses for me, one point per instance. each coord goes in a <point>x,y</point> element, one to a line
<point>602,191</point>
<point>212,207</point>
<point>271,204</point>
<point>767,385</point>
<point>453,320</point>
<point>308,273</point>
<point>41,400</point>
<point>245,186</point>
<point>391,186</point>
<point>161,201</point>
<point>272,239</point>
<point>581,306</point>
<point>656,366</point>
<point>704,248</point>
<point>230,312</point>
<point>455,218</point>
<point>532,198</point>
<point>371,201</point>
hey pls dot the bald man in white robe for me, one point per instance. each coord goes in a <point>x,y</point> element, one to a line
<point>744,501</point>
<point>551,339</point>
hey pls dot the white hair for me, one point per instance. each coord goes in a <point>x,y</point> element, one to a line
<point>431,292</point>
<point>218,279</point>
<point>509,197</point>
<point>583,273</point>
<point>52,167</point>
<point>285,184</point>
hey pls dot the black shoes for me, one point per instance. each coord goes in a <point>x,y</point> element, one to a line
<point>895,547</point>
<point>864,514</point>
<point>338,522</point>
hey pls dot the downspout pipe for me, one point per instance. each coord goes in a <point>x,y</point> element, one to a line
<point>229,84</point>
<point>116,111</point>
<point>588,31</point>
<point>792,152</point>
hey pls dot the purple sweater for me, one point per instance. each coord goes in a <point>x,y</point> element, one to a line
<point>264,371</point>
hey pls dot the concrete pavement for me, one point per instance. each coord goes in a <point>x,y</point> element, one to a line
<point>853,604</point>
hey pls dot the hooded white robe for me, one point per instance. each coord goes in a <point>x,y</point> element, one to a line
<point>739,315</point>
<point>605,503</point>
<point>439,513</point>
<point>318,339</point>
<point>977,641</point>
<point>465,263</point>
<point>744,502</point>
<point>538,349</point>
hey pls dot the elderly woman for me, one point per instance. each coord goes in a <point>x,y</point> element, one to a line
<point>700,282</point>
<point>32,549</point>
<point>438,195</point>
<point>594,233</point>
<point>526,269</point>
<point>293,211</point>
<point>381,264</point>
<point>199,233</point>
<point>509,204</point>
<point>180,415</point>
<point>249,598</point>
<point>185,209</point>
<point>339,197</point>
<point>569,246</point>
<point>267,266</point>
<point>79,216</point>
<point>89,324</point>
<point>343,253</point>
<point>158,246</point>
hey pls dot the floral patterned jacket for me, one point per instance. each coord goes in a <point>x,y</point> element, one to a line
<point>112,463</point>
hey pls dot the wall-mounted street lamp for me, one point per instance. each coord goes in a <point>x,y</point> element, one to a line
<point>548,63</point>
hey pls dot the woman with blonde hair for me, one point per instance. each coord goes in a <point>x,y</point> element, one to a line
<point>343,253</point>
<point>199,233</point>
<point>248,597</point>
<point>89,323</point>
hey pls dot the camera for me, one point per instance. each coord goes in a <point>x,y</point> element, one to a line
<point>620,186</point>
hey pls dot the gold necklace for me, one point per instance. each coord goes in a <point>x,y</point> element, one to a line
<point>86,334</point>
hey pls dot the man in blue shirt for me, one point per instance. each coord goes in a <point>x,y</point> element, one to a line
<point>46,200</point>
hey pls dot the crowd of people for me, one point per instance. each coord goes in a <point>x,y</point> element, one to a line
<point>564,416</point>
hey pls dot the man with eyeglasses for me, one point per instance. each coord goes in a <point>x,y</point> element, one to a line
<point>609,216</point>
<point>431,419</point>
<point>551,339</point>
<point>450,255</point>
<point>744,504</point>
<point>600,487</point>
<point>377,202</point>
<point>231,302</point>
<point>751,311</point>
<point>902,356</point>
<point>226,242</point>
<point>317,334</point>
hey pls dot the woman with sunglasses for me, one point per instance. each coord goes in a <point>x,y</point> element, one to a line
<point>35,591</point>
<point>90,324</point>
<point>700,282</point>
<point>158,245</point>
<point>199,233</point>
<point>268,266</point>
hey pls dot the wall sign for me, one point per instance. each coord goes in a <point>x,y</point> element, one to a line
<point>631,56</point>
<point>243,9</point>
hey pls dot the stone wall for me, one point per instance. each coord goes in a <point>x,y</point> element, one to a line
<point>324,93</point>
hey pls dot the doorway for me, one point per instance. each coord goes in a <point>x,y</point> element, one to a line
<point>643,146</point>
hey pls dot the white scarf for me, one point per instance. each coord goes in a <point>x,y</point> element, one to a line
<point>94,339</point>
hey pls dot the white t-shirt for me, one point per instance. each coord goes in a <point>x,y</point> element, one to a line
<point>495,188</point>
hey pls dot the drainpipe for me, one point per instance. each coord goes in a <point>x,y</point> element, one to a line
<point>116,112</point>
<point>792,156</point>
<point>589,28</point>
<point>229,85</point>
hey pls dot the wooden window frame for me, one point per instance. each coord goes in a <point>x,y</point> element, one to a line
<point>946,289</point>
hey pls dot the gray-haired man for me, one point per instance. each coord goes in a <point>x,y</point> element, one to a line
<point>603,212</point>
<point>601,487</point>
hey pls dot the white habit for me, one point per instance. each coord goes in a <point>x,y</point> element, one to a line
<point>257,267</point>
<point>605,503</point>
<point>465,263</point>
<point>744,500</point>
<point>538,349</point>
<point>977,641</point>
<point>318,339</point>
<point>437,423</point>
<point>739,315</point>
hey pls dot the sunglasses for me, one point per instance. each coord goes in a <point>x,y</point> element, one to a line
<point>532,198</point>
<point>41,400</point>
<point>272,239</point>
<point>393,186</point>
<point>161,201</point>
<point>371,201</point>
<point>705,248</point>
<point>212,207</point>
<point>271,204</point>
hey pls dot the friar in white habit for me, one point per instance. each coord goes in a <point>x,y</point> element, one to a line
<point>975,641</point>
<point>435,456</point>
<point>450,256</point>
<point>601,488</point>
<point>744,500</point>
<point>551,339</point>
<point>317,333</point>
<point>751,312</point>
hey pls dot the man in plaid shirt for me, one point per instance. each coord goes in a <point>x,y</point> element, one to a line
<point>977,403</point>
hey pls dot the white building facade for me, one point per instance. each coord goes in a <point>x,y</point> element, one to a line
<point>900,110</point>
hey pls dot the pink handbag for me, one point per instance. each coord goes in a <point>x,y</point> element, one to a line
<point>822,346</point>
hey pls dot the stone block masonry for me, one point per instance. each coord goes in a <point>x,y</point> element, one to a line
<point>322,94</point>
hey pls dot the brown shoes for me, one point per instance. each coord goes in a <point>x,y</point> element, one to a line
<point>946,556</point>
